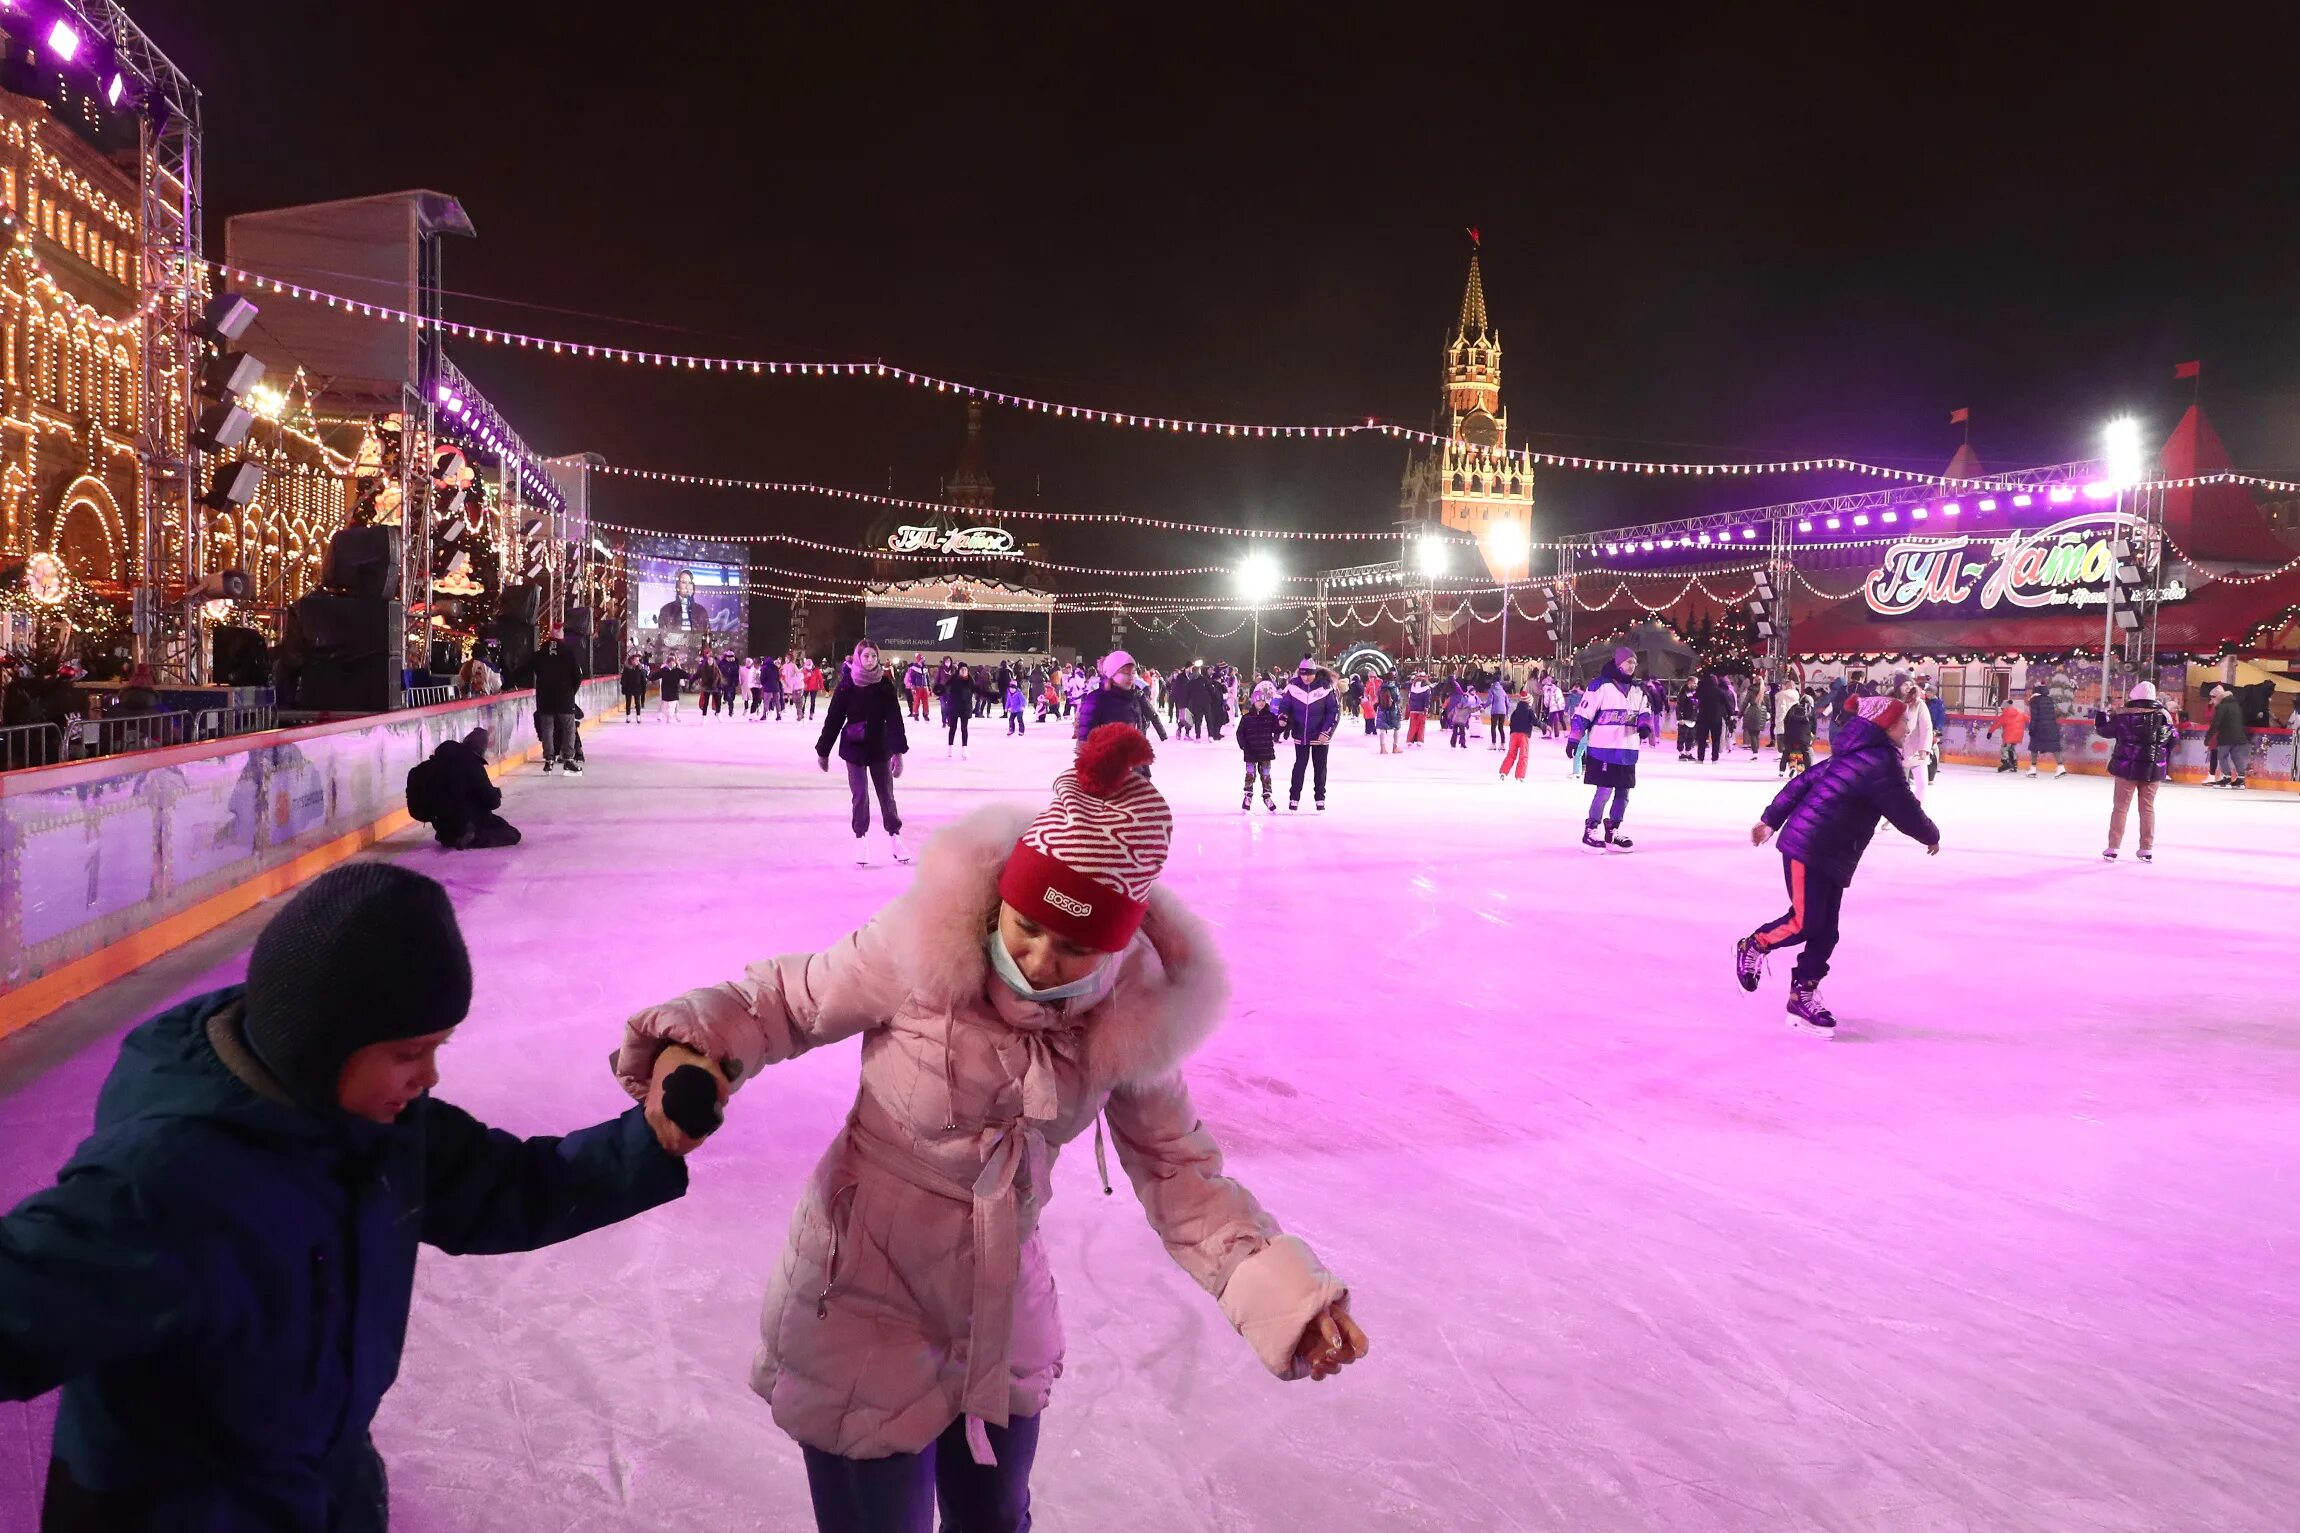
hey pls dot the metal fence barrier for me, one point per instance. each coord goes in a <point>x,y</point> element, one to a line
<point>30,745</point>
<point>127,732</point>
<point>424,697</point>
<point>217,723</point>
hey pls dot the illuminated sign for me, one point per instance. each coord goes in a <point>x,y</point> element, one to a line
<point>46,580</point>
<point>950,540</point>
<point>2050,570</point>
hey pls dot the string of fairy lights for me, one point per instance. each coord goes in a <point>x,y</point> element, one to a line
<point>1505,456</point>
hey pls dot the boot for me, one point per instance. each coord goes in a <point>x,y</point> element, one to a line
<point>1246,804</point>
<point>1617,841</point>
<point>895,848</point>
<point>1806,1014</point>
<point>1748,963</point>
<point>1591,839</point>
<point>1269,804</point>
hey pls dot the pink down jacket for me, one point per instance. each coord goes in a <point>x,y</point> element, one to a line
<point>914,1289</point>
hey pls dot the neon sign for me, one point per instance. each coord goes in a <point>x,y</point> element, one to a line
<point>950,540</point>
<point>2050,570</point>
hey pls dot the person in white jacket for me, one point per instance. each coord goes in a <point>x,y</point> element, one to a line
<point>1917,746</point>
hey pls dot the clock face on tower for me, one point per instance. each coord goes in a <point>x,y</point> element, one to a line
<point>1480,428</point>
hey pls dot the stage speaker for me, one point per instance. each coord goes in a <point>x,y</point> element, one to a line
<point>446,657</point>
<point>514,640</point>
<point>578,622</point>
<point>363,561</point>
<point>524,602</point>
<point>239,657</point>
<point>343,653</point>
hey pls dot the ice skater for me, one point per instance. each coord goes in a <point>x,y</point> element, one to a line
<point>2138,763</point>
<point>2044,730</point>
<point>1793,735</point>
<point>1033,983</point>
<point>1417,708</point>
<point>2012,727</point>
<point>1552,708</point>
<point>1015,702</point>
<point>1521,722</point>
<point>1258,730</point>
<point>864,722</point>
<point>1312,713</point>
<point>1387,709</point>
<point>1825,817</point>
<point>670,677</point>
<point>220,1278</point>
<point>634,681</point>
<point>1616,716</point>
<point>1917,746</point>
<point>956,689</point>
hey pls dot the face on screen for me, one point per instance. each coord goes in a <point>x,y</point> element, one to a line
<point>685,584</point>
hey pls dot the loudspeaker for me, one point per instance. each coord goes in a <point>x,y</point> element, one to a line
<point>364,561</point>
<point>515,642</point>
<point>446,657</point>
<point>578,622</point>
<point>343,653</point>
<point>524,602</point>
<point>239,657</point>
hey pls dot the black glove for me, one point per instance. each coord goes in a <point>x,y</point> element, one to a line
<point>824,762</point>
<point>691,1100</point>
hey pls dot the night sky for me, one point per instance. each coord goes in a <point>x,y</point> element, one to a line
<point>1758,230</point>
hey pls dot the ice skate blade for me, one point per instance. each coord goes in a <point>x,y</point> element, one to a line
<point>1798,1024</point>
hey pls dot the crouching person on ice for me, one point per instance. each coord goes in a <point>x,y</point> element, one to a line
<point>220,1277</point>
<point>1030,984</point>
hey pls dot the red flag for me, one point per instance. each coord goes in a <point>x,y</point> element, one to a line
<point>1473,239</point>
<point>1960,417</point>
<point>2188,369</point>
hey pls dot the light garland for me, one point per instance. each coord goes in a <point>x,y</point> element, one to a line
<point>692,362</point>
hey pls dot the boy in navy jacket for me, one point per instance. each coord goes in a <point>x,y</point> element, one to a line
<point>1825,817</point>
<point>220,1278</point>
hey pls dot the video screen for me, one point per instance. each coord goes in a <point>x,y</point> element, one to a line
<point>935,631</point>
<point>686,597</point>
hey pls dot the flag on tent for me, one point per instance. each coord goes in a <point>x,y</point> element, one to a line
<point>1960,417</point>
<point>2188,370</point>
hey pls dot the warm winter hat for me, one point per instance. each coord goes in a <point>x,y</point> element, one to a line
<point>367,953</point>
<point>1114,662</point>
<point>1307,666</point>
<point>1884,712</point>
<point>1264,691</point>
<point>2145,692</point>
<point>1623,656</point>
<point>1084,868</point>
<point>476,742</point>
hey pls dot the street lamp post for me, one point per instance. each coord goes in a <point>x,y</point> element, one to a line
<point>2126,468</point>
<point>1258,577</point>
<point>1430,555</point>
<point>1509,544</point>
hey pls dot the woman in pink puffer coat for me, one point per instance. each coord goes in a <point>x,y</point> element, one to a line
<point>1030,985</point>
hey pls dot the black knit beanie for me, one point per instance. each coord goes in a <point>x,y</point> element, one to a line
<point>366,953</point>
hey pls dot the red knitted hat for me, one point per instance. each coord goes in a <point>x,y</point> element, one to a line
<point>1085,866</point>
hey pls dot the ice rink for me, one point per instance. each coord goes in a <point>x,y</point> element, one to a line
<point>2021,1250</point>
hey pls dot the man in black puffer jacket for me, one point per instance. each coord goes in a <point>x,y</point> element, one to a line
<point>1825,817</point>
<point>557,677</point>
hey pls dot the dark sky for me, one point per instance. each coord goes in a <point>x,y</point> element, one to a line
<point>1750,230</point>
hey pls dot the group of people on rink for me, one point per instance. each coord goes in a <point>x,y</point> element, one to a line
<point>220,1280</point>
<point>721,682</point>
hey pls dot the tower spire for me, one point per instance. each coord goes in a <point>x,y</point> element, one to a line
<point>1473,297</point>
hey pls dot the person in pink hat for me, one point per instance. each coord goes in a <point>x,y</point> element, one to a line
<point>1033,985</point>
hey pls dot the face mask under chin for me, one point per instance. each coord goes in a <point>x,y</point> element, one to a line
<point>1003,965</point>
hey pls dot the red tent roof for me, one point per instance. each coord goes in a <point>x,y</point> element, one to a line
<point>2219,522</point>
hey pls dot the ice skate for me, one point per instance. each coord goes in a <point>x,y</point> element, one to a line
<point>1806,1014</point>
<point>1617,842</point>
<point>2032,771</point>
<point>1748,963</point>
<point>1292,805</point>
<point>2060,771</point>
<point>549,766</point>
<point>1321,806</point>
<point>862,853</point>
<point>2146,856</point>
<point>1246,804</point>
<point>2109,855</point>
<point>572,768</point>
<point>895,848</point>
<point>1269,805</point>
<point>1591,839</point>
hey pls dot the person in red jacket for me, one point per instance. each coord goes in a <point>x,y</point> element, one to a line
<point>2012,723</point>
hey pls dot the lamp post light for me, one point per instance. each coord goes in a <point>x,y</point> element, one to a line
<point>2127,463</point>
<point>1258,577</point>
<point>1431,556</point>
<point>1508,545</point>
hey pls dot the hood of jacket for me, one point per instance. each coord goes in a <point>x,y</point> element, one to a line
<point>1170,988</point>
<point>188,1063</point>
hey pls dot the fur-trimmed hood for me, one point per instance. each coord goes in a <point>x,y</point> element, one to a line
<point>1170,988</point>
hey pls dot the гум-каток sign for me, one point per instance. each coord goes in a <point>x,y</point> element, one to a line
<point>2050,570</point>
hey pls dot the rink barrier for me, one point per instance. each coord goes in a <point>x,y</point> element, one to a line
<point>1966,740</point>
<point>109,863</point>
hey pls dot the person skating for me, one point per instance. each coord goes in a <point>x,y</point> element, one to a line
<point>2012,726</point>
<point>1521,721</point>
<point>1312,713</point>
<point>1825,818</point>
<point>557,678</point>
<point>1460,711</point>
<point>1917,744</point>
<point>1711,706</point>
<point>770,689</point>
<point>1753,718</point>
<point>671,677</point>
<point>1015,703</point>
<point>1033,983</point>
<point>2138,763</point>
<point>1258,730</point>
<point>1497,707</point>
<point>2044,730</point>
<point>220,1279</point>
<point>1616,715</point>
<point>1688,708</point>
<point>864,722</point>
<point>1119,700</point>
<point>814,685</point>
<point>1418,694</point>
<point>1388,709</point>
<point>2228,741</point>
<point>956,689</point>
<point>914,688</point>
<point>634,680</point>
<point>1793,735</point>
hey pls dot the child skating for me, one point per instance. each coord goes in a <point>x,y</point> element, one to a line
<point>1613,718</point>
<point>1258,731</point>
<point>1032,983</point>
<point>1825,816</point>
<point>1521,722</point>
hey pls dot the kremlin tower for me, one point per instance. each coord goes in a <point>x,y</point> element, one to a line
<point>1472,483</point>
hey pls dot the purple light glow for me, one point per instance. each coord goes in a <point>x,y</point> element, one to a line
<point>2022,501</point>
<point>1918,514</point>
<point>1613,548</point>
<point>2062,494</point>
<point>1649,545</point>
<point>446,396</point>
<point>64,41</point>
<point>2099,489</point>
<point>1861,520</point>
<point>1804,526</point>
<point>114,91</point>
<point>1747,533</point>
<point>1988,505</point>
<point>1888,518</point>
<point>1834,524</point>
